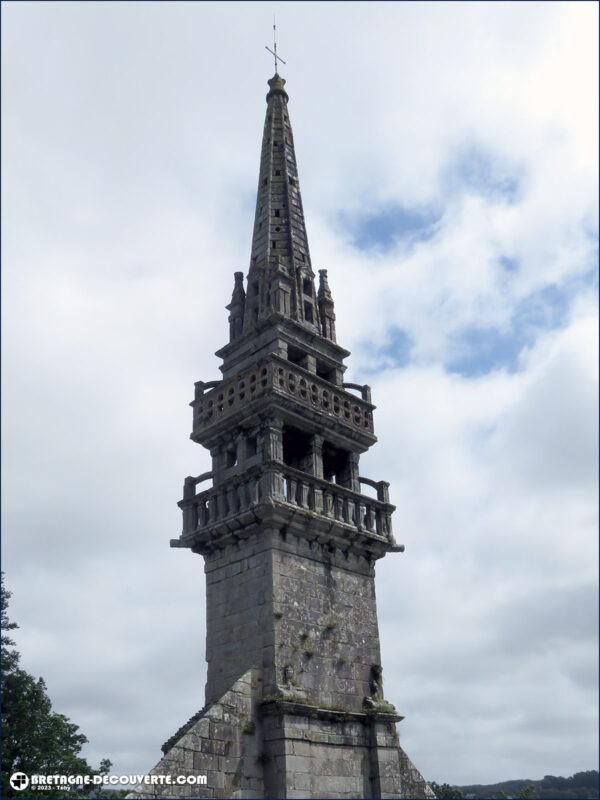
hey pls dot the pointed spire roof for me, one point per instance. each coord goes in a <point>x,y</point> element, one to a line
<point>279,217</point>
<point>279,241</point>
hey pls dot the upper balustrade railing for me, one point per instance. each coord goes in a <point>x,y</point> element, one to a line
<point>287,379</point>
<point>290,486</point>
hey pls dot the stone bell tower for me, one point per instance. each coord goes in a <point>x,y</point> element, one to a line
<point>290,533</point>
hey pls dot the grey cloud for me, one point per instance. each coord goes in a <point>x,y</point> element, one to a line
<point>131,137</point>
<point>549,617</point>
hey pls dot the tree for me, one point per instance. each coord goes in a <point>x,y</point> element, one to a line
<point>446,792</point>
<point>35,739</point>
<point>527,791</point>
<point>10,658</point>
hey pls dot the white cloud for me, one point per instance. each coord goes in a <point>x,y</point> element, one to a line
<point>130,156</point>
<point>495,482</point>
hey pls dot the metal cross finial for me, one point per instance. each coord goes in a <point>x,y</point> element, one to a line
<point>274,50</point>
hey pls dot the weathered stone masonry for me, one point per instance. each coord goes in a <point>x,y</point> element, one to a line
<point>294,696</point>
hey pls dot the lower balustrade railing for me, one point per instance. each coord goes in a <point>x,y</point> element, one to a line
<point>288,485</point>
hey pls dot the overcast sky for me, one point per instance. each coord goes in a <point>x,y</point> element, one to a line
<point>448,166</point>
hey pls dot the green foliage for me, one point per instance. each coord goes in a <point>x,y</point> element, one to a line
<point>304,701</point>
<point>446,792</point>
<point>271,698</point>
<point>36,739</point>
<point>383,707</point>
<point>580,785</point>
<point>10,658</point>
<point>527,791</point>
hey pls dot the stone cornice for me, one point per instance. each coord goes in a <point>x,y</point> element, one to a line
<point>318,529</point>
<point>279,706</point>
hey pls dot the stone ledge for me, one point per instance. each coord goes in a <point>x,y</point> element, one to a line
<point>300,521</point>
<point>275,706</point>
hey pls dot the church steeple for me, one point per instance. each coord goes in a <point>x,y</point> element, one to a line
<point>288,535</point>
<point>280,278</point>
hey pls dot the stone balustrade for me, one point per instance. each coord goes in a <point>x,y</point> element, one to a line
<point>212,505</point>
<point>291,486</point>
<point>336,502</point>
<point>287,379</point>
<point>363,388</point>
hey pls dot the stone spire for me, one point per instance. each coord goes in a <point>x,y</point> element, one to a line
<point>280,279</point>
